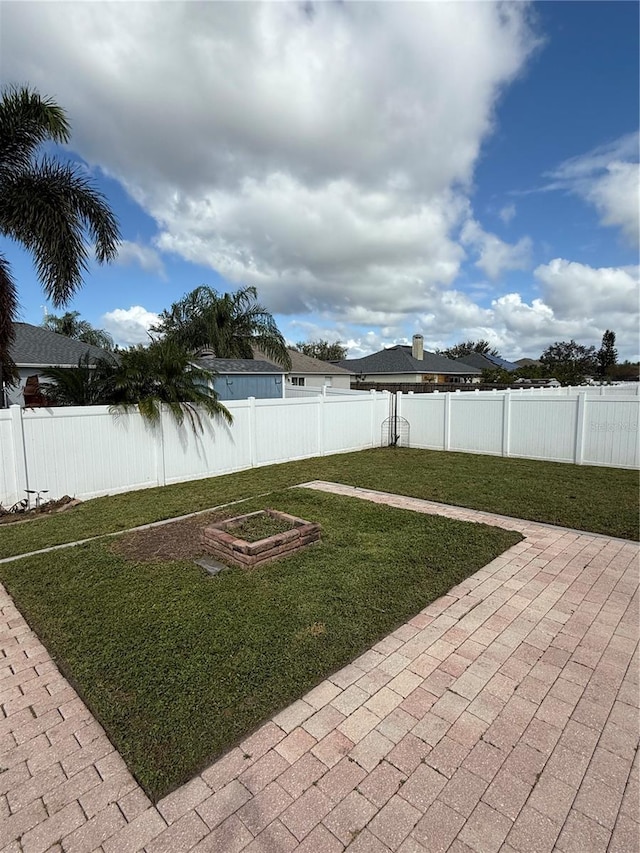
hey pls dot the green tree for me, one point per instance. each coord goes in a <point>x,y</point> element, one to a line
<point>70,325</point>
<point>569,362</point>
<point>50,207</point>
<point>229,325</point>
<point>323,350</point>
<point>607,355</point>
<point>467,347</point>
<point>161,374</point>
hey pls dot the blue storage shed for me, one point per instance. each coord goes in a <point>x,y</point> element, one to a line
<point>239,378</point>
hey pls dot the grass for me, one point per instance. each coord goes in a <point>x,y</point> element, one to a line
<point>600,500</point>
<point>259,527</point>
<point>178,666</point>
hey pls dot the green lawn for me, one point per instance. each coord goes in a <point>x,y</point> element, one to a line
<point>601,500</point>
<point>177,666</point>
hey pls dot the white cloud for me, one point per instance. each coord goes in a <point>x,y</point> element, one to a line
<point>129,326</point>
<point>615,194</point>
<point>609,178</point>
<point>323,152</point>
<point>495,256</point>
<point>507,213</point>
<point>577,290</point>
<point>577,301</point>
<point>144,256</point>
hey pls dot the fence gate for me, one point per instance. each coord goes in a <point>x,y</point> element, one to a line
<point>395,429</point>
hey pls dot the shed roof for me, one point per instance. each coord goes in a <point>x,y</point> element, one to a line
<point>301,363</point>
<point>238,365</point>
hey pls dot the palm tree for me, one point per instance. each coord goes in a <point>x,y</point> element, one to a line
<point>147,377</point>
<point>88,384</point>
<point>71,326</point>
<point>48,206</point>
<point>229,325</point>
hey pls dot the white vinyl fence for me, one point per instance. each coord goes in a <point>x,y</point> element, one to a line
<point>88,451</point>
<point>585,426</point>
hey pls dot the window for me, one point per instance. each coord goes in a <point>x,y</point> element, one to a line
<point>297,380</point>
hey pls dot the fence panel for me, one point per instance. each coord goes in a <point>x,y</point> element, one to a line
<point>87,451</point>
<point>345,420</point>
<point>544,428</point>
<point>8,490</point>
<point>476,423</point>
<point>426,416</point>
<point>286,430</point>
<point>611,432</point>
<point>219,449</point>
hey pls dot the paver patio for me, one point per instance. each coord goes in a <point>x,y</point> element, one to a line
<point>504,716</point>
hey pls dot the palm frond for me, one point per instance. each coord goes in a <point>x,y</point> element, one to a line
<point>49,208</point>
<point>8,311</point>
<point>26,121</point>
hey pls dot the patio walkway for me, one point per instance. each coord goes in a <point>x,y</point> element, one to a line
<point>503,717</point>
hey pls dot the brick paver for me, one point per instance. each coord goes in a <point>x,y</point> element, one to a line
<point>503,717</point>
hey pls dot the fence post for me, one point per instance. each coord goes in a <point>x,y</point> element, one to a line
<point>373,398</point>
<point>447,421</point>
<point>161,475</point>
<point>506,422</point>
<point>580,425</point>
<point>19,451</point>
<point>320,433</point>
<point>253,438</point>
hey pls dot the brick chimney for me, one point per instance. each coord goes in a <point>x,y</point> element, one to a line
<point>417,347</point>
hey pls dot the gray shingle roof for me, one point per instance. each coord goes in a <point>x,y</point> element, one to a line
<point>486,362</point>
<point>35,346</point>
<point>301,363</point>
<point>398,359</point>
<point>237,365</point>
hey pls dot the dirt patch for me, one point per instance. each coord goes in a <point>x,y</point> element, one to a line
<point>178,540</point>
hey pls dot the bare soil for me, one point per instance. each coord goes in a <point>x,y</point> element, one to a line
<point>178,540</point>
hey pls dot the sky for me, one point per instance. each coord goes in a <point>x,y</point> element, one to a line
<point>455,169</point>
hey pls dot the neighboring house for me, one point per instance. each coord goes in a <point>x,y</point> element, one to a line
<point>410,364</point>
<point>487,362</point>
<point>36,349</point>
<point>314,373</point>
<point>239,378</point>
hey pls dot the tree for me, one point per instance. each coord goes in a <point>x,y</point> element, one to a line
<point>147,377</point>
<point>229,325</point>
<point>569,362</point>
<point>323,350</point>
<point>48,206</point>
<point>71,326</point>
<point>467,347</point>
<point>88,384</point>
<point>607,355</point>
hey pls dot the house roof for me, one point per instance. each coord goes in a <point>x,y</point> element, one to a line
<point>238,365</point>
<point>486,362</point>
<point>301,363</point>
<point>35,346</point>
<point>398,359</point>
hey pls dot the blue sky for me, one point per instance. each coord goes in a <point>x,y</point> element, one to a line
<point>376,170</point>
